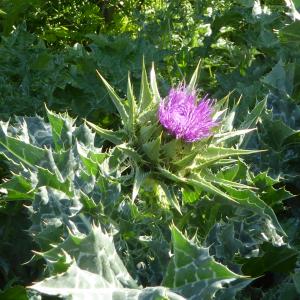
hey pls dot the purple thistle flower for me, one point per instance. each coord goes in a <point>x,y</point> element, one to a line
<point>184,117</point>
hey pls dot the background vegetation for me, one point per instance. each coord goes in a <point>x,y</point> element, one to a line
<point>49,51</point>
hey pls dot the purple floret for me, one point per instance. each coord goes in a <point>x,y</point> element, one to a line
<point>183,117</point>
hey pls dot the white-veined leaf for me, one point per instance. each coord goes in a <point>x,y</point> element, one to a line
<point>193,273</point>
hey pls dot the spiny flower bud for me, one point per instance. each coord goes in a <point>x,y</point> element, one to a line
<point>184,117</point>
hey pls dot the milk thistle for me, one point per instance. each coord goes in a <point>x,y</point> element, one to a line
<point>184,117</point>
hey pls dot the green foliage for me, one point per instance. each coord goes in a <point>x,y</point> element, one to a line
<point>193,273</point>
<point>70,193</point>
<point>55,20</point>
<point>31,74</point>
<point>72,184</point>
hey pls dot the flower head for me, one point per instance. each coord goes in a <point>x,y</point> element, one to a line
<point>183,116</point>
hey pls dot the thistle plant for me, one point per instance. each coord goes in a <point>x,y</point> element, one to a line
<point>72,191</point>
<point>174,152</point>
<point>176,144</point>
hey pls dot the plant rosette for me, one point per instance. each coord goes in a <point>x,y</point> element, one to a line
<point>178,143</point>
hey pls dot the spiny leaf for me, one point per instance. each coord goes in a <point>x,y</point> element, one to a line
<point>91,158</point>
<point>51,209</point>
<point>215,153</point>
<point>200,182</point>
<point>154,87</point>
<point>145,92</point>
<point>251,121</point>
<point>250,200</point>
<point>252,117</point>
<point>77,284</point>
<point>61,127</point>
<point>193,273</point>
<point>95,253</point>
<point>146,133</point>
<point>192,84</point>
<point>18,188</point>
<point>270,195</point>
<point>223,182</point>
<point>46,178</point>
<point>130,152</point>
<point>197,182</point>
<point>139,177</point>
<point>21,152</point>
<point>116,100</point>
<point>61,163</point>
<point>106,134</point>
<point>169,175</point>
<point>171,148</point>
<point>87,202</point>
<point>91,165</point>
<point>131,106</point>
<point>186,161</point>
<point>222,137</point>
<point>222,103</point>
<point>171,196</point>
<point>152,149</point>
<point>84,135</point>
